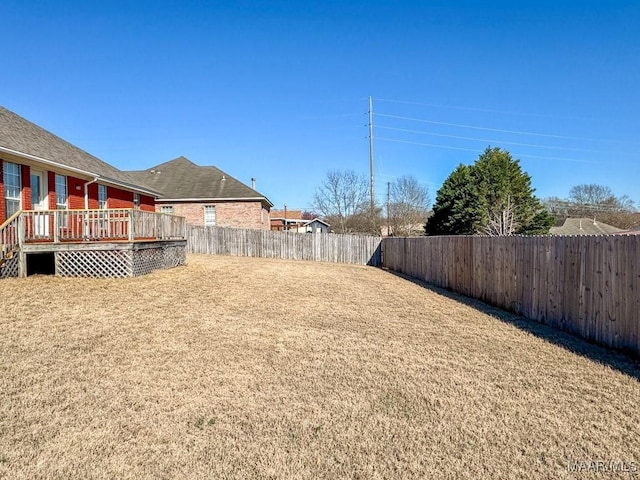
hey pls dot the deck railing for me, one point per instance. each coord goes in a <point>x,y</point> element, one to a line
<point>116,224</point>
<point>9,239</point>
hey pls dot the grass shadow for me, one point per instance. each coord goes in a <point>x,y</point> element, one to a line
<point>615,359</point>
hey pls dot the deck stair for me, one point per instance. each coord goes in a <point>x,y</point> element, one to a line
<point>9,246</point>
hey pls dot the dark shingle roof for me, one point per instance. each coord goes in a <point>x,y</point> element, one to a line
<point>181,179</point>
<point>583,226</point>
<point>21,136</point>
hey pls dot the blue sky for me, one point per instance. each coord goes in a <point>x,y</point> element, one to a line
<point>278,90</point>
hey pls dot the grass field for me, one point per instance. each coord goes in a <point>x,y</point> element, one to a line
<point>255,368</point>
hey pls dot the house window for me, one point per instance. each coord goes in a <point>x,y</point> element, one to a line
<point>102,196</point>
<point>12,187</point>
<point>167,209</point>
<point>136,200</point>
<point>61,192</point>
<point>209,215</point>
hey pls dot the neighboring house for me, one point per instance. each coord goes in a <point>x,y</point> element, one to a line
<point>315,226</point>
<point>205,195</point>
<point>40,171</point>
<point>287,219</point>
<point>292,220</point>
<point>583,226</point>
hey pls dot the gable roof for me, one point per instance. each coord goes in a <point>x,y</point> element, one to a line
<point>317,220</point>
<point>182,180</point>
<point>583,226</point>
<point>25,139</point>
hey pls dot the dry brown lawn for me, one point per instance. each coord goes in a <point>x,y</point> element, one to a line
<point>255,368</point>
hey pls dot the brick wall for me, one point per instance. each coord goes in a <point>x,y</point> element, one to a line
<point>26,187</point>
<point>147,203</point>
<point>92,189</point>
<point>117,198</point>
<point>228,214</point>
<point>75,188</point>
<point>51,181</point>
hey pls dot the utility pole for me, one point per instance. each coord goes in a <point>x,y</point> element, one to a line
<point>371,154</point>
<point>388,216</point>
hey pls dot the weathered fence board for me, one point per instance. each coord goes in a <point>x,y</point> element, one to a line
<point>587,285</point>
<point>319,247</point>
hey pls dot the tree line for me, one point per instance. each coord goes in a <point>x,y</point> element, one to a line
<point>493,196</point>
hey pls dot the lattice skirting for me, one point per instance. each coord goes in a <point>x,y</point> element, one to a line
<point>10,268</point>
<point>118,263</point>
<point>97,264</point>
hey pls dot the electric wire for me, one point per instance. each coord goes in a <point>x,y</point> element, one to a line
<point>515,154</point>
<point>500,130</point>
<point>520,144</point>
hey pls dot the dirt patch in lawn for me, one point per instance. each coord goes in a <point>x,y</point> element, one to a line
<point>255,368</point>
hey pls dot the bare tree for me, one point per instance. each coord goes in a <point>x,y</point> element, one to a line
<point>589,198</point>
<point>408,206</point>
<point>343,199</point>
<point>598,202</point>
<point>502,221</point>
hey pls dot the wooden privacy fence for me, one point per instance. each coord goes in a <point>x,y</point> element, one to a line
<point>586,285</point>
<point>320,247</point>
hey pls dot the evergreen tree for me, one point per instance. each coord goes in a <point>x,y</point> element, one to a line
<point>455,211</point>
<point>493,196</point>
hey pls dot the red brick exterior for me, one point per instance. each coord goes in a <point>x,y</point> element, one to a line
<point>228,214</point>
<point>92,190</point>
<point>123,199</point>
<point>51,181</point>
<point>147,203</point>
<point>75,189</point>
<point>116,197</point>
<point>26,187</point>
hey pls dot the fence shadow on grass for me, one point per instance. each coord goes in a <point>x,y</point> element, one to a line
<point>607,356</point>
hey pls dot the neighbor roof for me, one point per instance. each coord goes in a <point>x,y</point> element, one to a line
<point>23,138</point>
<point>182,180</point>
<point>318,221</point>
<point>583,226</point>
<point>290,214</point>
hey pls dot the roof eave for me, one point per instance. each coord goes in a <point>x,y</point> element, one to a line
<point>219,199</point>
<point>69,168</point>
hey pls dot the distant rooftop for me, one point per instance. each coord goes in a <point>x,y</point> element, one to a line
<point>583,226</point>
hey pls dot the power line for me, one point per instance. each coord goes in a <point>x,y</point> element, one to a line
<point>498,141</point>
<point>488,129</point>
<point>476,109</point>
<point>539,157</point>
<point>422,182</point>
<point>427,144</point>
<point>586,207</point>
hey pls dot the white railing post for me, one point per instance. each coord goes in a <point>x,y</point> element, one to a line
<point>131,224</point>
<point>56,222</point>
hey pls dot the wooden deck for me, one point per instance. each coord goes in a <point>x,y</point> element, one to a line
<point>91,243</point>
